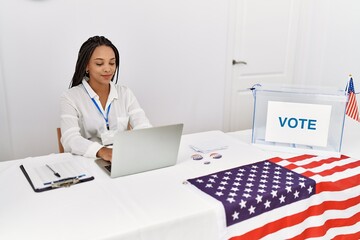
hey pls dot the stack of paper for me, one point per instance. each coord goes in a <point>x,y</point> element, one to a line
<point>209,146</point>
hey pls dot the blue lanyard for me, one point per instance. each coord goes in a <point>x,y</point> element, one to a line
<point>106,118</point>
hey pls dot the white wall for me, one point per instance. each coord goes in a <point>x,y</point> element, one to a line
<point>172,56</point>
<point>328,44</point>
<point>5,139</point>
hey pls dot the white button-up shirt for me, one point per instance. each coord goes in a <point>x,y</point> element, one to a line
<point>82,124</point>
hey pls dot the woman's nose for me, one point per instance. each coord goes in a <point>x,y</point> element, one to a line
<point>107,69</point>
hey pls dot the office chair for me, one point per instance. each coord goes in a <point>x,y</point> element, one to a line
<point>61,148</point>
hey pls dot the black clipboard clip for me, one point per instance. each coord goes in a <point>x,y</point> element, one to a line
<point>65,182</point>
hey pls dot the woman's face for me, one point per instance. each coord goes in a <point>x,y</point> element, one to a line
<point>101,66</point>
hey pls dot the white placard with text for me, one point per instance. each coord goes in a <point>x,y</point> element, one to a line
<point>298,123</point>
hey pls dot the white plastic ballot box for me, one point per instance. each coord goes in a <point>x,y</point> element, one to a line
<point>299,119</point>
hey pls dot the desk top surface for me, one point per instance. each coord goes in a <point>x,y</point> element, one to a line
<point>152,205</point>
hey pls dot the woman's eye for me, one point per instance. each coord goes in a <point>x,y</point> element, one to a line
<point>112,64</point>
<point>98,64</point>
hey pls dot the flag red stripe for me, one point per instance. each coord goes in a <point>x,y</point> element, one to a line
<point>347,236</point>
<point>339,168</point>
<point>352,109</point>
<point>332,170</point>
<point>300,158</point>
<point>352,101</point>
<point>275,159</point>
<point>291,166</point>
<point>293,159</point>
<point>351,104</point>
<point>321,230</point>
<point>324,161</point>
<point>338,185</point>
<point>297,218</point>
<point>314,164</point>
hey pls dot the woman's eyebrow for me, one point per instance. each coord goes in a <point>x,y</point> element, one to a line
<point>104,59</point>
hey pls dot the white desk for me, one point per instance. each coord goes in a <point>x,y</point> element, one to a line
<point>154,205</point>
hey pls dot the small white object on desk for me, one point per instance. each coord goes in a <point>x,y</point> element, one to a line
<point>209,146</point>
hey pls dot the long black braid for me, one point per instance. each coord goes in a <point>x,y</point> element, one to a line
<point>85,52</point>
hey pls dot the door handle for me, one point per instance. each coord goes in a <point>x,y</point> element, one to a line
<point>234,62</point>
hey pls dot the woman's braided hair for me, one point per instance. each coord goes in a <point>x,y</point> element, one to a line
<point>85,52</point>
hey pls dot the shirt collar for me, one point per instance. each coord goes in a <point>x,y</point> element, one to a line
<point>112,95</point>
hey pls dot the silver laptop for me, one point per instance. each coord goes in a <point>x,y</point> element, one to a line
<point>143,150</point>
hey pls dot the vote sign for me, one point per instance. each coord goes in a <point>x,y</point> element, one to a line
<point>298,123</point>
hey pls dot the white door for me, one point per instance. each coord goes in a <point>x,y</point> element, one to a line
<point>264,52</point>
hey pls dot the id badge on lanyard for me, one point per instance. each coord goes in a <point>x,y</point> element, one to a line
<point>107,137</point>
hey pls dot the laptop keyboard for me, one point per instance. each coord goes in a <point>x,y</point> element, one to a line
<point>108,167</point>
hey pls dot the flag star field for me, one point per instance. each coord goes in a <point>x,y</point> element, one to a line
<point>250,190</point>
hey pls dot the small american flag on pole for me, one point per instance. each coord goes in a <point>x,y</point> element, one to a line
<point>352,109</point>
<point>330,209</point>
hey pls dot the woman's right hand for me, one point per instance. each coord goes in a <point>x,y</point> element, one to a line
<point>105,154</point>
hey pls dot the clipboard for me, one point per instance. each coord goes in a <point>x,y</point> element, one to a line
<point>59,183</point>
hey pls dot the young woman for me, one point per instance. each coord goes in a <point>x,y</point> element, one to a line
<point>95,107</point>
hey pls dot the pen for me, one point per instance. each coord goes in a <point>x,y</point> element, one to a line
<point>55,173</point>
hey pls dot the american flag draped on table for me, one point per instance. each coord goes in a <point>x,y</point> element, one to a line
<point>297,198</point>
